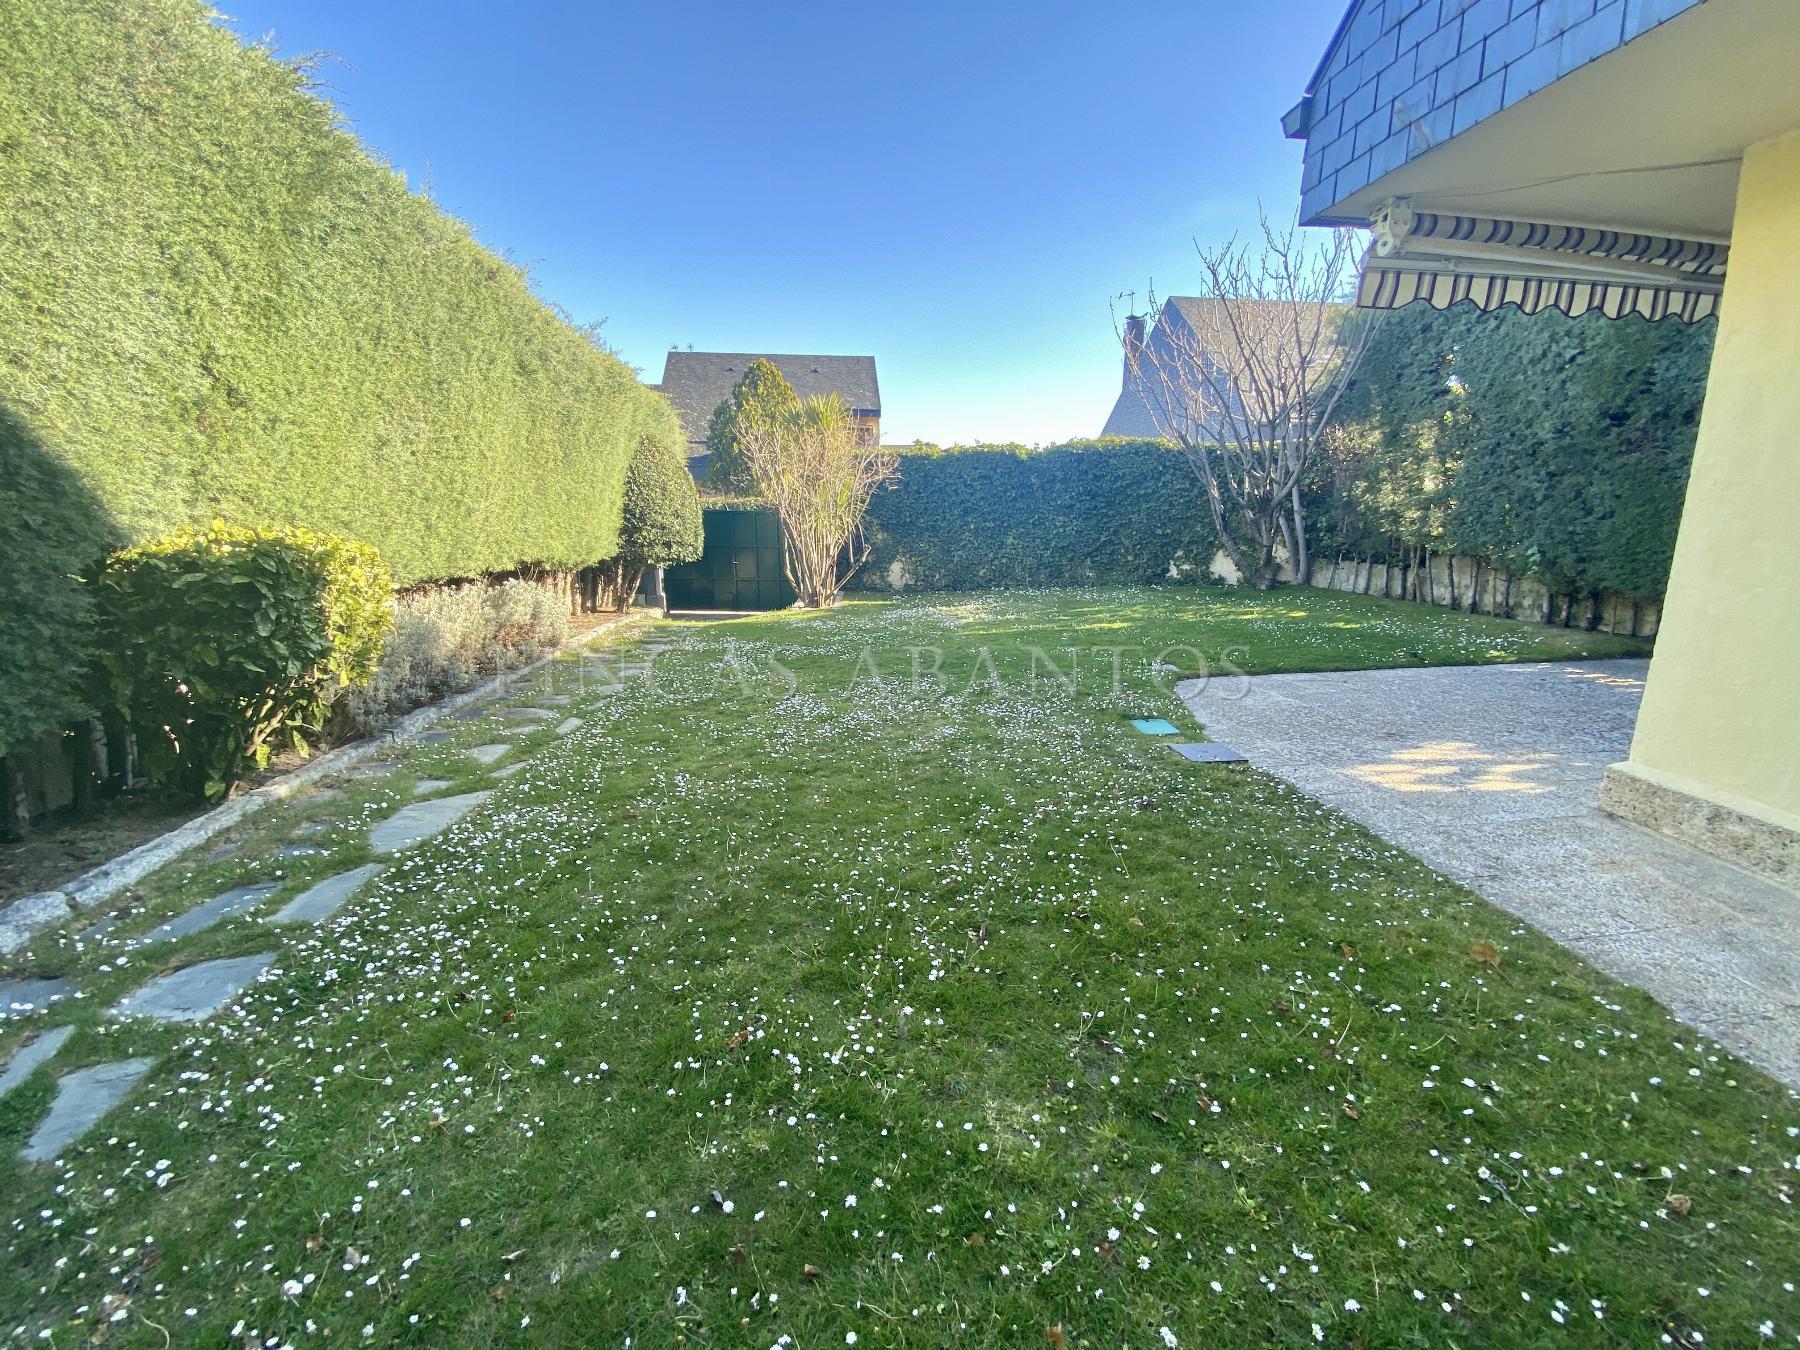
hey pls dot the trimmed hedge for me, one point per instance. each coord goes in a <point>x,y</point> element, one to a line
<point>1104,512</point>
<point>1554,448</point>
<point>1550,446</point>
<point>215,303</point>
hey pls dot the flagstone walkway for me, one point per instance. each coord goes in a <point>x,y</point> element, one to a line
<point>533,716</point>
<point>1489,774</point>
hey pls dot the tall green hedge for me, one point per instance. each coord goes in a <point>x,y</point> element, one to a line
<point>1551,446</point>
<point>215,303</point>
<point>1108,511</point>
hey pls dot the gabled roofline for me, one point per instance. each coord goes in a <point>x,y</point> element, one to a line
<point>1294,121</point>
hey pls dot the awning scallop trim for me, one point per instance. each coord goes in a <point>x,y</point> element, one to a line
<point>1445,259</point>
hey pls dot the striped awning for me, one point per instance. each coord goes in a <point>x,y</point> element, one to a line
<point>1442,259</point>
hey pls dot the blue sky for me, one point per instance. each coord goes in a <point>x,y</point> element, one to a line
<point>959,189</point>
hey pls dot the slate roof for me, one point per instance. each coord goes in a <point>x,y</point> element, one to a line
<point>1132,414</point>
<point>1402,76</point>
<point>698,382</point>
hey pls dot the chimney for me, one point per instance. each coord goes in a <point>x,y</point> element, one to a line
<point>1134,345</point>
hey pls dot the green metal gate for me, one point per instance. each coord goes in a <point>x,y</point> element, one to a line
<point>740,568</point>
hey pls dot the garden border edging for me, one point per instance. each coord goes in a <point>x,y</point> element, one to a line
<point>24,918</point>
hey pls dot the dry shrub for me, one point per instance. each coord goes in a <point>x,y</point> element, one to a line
<point>448,638</point>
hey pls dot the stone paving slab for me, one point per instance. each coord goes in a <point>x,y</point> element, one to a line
<point>428,785</point>
<point>194,993</point>
<point>509,770</point>
<point>33,1053</point>
<point>568,724</point>
<point>207,913</point>
<point>94,932</point>
<point>529,714</point>
<point>487,754</point>
<point>319,902</point>
<point>82,1097</point>
<point>1208,752</point>
<point>28,915</point>
<point>1489,775</point>
<point>32,994</point>
<point>411,824</point>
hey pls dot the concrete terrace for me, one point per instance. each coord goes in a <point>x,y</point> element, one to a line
<point>1489,775</point>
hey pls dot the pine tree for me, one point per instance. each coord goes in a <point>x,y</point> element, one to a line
<point>761,393</point>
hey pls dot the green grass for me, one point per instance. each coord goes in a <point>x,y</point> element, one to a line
<point>779,1003</point>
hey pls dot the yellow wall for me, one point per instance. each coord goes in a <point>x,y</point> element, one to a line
<point>1721,713</point>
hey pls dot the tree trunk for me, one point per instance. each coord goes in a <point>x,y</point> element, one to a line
<point>1303,562</point>
<point>78,754</point>
<point>628,584</point>
<point>118,759</point>
<point>17,823</point>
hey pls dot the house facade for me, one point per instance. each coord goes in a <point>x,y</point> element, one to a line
<point>1641,159</point>
<point>696,383</point>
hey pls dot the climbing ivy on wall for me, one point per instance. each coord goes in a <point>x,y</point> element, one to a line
<point>1109,511</point>
<point>1550,446</point>
<point>215,303</point>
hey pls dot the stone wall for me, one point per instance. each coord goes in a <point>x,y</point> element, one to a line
<point>1474,585</point>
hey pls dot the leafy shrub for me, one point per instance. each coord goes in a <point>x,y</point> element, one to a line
<point>216,303</point>
<point>659,527</point>
<point>446,638</point>
<point>1101,512</point>
<point>214,643</point>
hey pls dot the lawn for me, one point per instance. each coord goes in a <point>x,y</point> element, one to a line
<point>795,1000</point>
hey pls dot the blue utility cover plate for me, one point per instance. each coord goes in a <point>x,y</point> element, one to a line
<point>1155,726</point>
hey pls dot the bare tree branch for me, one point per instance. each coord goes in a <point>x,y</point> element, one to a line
<point>1245,376</point>
<point>818,467</point>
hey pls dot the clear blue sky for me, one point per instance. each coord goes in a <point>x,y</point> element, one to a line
<point>958,189</point>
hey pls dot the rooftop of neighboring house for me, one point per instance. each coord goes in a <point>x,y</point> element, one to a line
<point>1208,326</point>
<point>698,382</point>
